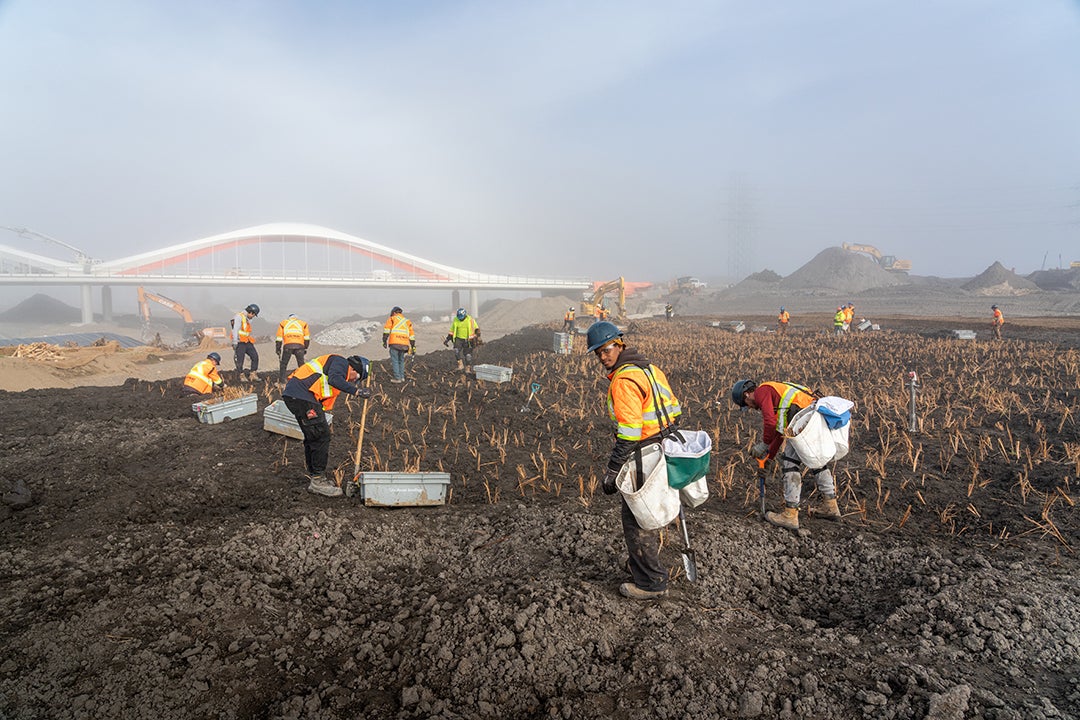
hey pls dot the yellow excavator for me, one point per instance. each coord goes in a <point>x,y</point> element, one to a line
<point>888,262</point>
<point>591,304</point>
<point>192,330</point>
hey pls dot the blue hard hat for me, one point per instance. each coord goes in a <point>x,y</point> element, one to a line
<point>781,308</point>
<point>359,364</point>
<point>601,333</point>
<point>215,357</point>
<point>461,313</point>
<point>739,390</point>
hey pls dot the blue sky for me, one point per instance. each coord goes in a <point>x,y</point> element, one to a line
<point>582,139</point>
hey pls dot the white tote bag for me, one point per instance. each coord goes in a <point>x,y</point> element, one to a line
<point>809,434</point>
<point>656,503</point>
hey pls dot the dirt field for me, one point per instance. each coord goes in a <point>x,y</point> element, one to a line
<point>171,569</point>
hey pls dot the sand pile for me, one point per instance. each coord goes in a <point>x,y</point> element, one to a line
<point>835,270</point>
<point>41,308</point>
<point>514,314</point>
<point>997,280</point>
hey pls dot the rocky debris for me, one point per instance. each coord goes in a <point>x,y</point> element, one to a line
<point>348,333</point>
<point>997,280</point>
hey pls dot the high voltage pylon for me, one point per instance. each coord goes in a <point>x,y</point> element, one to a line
<point>739,221</point>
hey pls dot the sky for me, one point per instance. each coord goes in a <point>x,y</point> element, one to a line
<point>552,138</point>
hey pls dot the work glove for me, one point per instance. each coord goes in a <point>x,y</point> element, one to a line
<point>307,343</point>
<point>412,348</point>
<point>277,349</point>
<point>384,340</point>
<point>446,341</point>
<point>363,393</point>
<point>608,485</point>
<point>760,450</point>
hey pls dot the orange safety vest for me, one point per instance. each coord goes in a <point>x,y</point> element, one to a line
<point>632,403</point>
<point>790,394</point>
<point>399,329</point>
<point>244,333</point>
<point>203,377</point>
<point>321,388</point>
<point>999,319</point>
<point>569,315</point>
<point>849,315</point>
<point>783,317</point>
<point>293,331</point>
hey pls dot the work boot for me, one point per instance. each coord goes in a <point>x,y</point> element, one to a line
<point>829,509</point>
<point>633,592</point>
<point>321,486</point>
<point>460,365</point>
<point>789,518</point>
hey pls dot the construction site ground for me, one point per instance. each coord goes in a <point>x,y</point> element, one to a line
<point>154,566</point>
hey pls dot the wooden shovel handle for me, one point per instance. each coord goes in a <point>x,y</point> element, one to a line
<point>363,422</point>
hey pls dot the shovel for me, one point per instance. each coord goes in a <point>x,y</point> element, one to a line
<point>689,561</point>
<point>761,485</point>
<point>535,388</point>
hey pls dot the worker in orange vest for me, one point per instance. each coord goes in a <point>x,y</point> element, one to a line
<point>568,321</point>
<point>778,403</point>
<point>782,321</point>
<point>998,321</point>
<point>309,394</point>
<point>398,336</point>
<point>293,340</point>
<point>204,379</point>
<point>243,341</point>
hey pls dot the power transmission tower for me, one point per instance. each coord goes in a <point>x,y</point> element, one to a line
<point>740,231</point>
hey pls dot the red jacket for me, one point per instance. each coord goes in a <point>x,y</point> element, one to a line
<point>768,399</point>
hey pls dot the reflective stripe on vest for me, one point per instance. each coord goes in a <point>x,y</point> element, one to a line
<point>652,416</point>
<point>244,334</point>
<point>399,331</point>
<point>323,391</point>
<point>199,377</point>
<point>292,332</point>
<point>790,393</point>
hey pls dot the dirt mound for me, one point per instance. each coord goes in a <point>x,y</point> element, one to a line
<point>997,280</point>
<point>1057,279</point>
<point>765,276</point>
<point>834,270</point>
<point>514,314</point>
<point>41,308</point>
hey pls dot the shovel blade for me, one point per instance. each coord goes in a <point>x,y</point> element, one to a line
<point>689,562</point>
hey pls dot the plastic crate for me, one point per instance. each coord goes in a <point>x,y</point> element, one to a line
<point>214,413</point>
<point>563,343</point>
<point>964,334</point>
<point>277,418</point>
<point>737,326</point>
<point>392,489</point>
<point>493,373</point>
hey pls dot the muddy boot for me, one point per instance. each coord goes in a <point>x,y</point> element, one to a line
<point>321,486</point>
<point>789,518</point>
<point>829,510</point>
<point>633,592</point>
<point>460,365</point>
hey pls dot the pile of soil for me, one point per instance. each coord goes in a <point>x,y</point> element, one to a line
<point>506,315</point>
<point>158,567</point>
<point>1057,279</point>
<point>997,280</point>
<point>41,308</point>
<point>835,270</point>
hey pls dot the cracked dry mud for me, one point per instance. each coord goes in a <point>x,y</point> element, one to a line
<point>171,569</point>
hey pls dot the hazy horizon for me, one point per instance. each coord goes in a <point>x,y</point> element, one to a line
<point>714,139</point>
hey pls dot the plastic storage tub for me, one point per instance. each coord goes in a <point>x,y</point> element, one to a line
<point>392,489</point>
<point>493,373</point>
<point>278,419</point>
<point>228,410</point>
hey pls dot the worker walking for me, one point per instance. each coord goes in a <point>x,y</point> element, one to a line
<point>568,321</point>
<point>838,321</point>
<point>639,399</point>
<point>243,341</point>
<point>782,321</point>
<point>997,322</point>
<point>204,379</point>
<point>778,403</point>
<point>398,336</point>
<point>309,394</point>
<point>465,335</point>
<point>293,340</point>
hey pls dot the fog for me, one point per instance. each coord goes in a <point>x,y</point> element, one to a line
<point>592,139</point>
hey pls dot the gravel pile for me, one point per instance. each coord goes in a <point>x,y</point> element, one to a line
<point>348,334</point>
<point>997,280</point>
<point>834,270</point>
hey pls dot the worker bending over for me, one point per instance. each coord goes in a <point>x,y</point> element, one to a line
<point>309,394</point>
<point>293,339</point>
<point>778,403</point>
<point>204,379</point>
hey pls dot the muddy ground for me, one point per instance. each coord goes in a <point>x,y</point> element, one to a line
<point>171,569</point>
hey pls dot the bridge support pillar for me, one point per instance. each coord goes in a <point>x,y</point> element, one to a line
<point>87,305</point>
<point>474,303</point>
<point>455,301</point>
<point>106,304</point>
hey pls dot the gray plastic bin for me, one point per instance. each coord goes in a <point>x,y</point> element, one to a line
<point>392,489</point>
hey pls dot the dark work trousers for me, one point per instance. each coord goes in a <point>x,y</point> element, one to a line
<point>312,419</point>
<point>463,350</point>
<point>644,549</point>
<point>567,326</point>
<point>288,351</point>
<point>242,350</point>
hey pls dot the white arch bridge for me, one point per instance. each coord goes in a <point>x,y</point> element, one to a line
<point>274,255</point>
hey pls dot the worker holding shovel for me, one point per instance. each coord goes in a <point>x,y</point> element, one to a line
<point>639,396</point>
<point>309,394</point>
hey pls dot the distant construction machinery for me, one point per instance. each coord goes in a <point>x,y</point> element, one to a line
<point>888,262</point>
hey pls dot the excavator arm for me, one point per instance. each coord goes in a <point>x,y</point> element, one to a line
<point>144,305</point>
<point>617,286</point>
